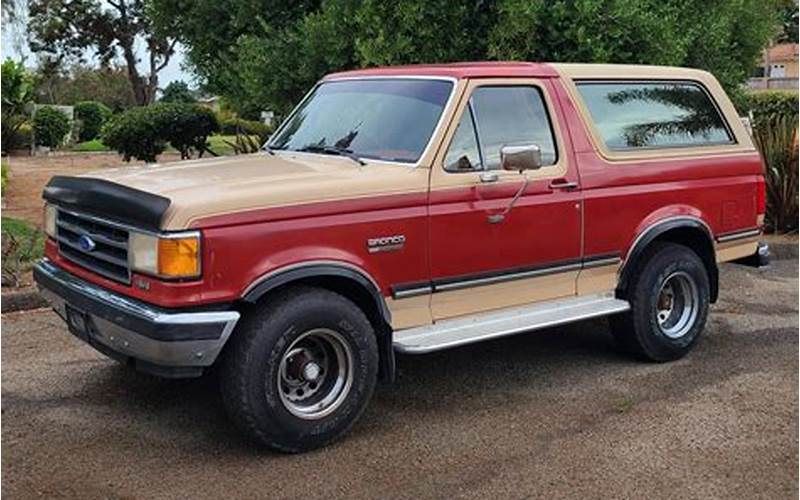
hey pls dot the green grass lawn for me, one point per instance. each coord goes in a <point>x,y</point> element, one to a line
<point>93,146</point>
<point>4,178</point>
<point>217,143</point>
<point>23,244</point>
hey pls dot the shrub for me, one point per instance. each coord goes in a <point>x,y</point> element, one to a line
<point>23,244</point>
<point>134,134</point>
<point>776,138</point>
<point>50,126</point>
<point>92,115</point>
<point>143,133</point>
<point>238,126</point>
<point>17,94</point>
<point>767,105</point>
<point>185,126</point>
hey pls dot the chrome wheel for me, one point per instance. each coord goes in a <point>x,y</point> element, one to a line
<point>315,374</point>
<point>677,305</point>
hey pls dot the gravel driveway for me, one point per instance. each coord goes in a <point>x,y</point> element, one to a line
<point>557,413</point>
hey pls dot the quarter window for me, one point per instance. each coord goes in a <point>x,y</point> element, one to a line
<point>637,115</point>
<point>496,117</point>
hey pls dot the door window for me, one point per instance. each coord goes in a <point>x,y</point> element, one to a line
<point>496,117</point>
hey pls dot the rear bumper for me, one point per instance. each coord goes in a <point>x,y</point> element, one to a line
<point>160,341</point>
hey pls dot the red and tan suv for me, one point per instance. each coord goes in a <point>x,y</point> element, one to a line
<point>412,209</point>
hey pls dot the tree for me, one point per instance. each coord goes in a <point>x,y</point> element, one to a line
<point>17,94</point>
<point>56,84</point>
<point>266,54</point>
<point>92,116</point>
<point>178,92</point>
<point>789,23</point>
<point>67,29</point>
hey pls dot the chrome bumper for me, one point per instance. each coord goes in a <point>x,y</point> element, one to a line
<point>160,341</point>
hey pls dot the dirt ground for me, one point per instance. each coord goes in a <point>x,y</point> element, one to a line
<point>27,176</point>
<point>553,414</point>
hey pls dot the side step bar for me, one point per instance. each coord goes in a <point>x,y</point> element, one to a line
<point>464,330</point>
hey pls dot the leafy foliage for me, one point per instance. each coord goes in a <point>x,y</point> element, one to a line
<point>768,105</point>
<point>238,126</point>
<point>92,116</point>
<point>143,133</point>
<point>777,140</point>
<point>179,92</point>
<point>50,126</point>
<point>17,94</point>
<point>134,134</point>
<point>71,28</point>
<point>56,84</point>
<point>23,244</point>
<point>266,54</point>
<point>185,126</point>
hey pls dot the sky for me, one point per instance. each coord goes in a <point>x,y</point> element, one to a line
<point>14,46</point>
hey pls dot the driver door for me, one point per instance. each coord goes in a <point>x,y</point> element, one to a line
<point>485,253</point>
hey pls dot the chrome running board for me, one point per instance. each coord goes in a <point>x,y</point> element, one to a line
<point>463,330</point>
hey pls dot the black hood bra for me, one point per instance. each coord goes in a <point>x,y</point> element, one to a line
<point>108,200</point>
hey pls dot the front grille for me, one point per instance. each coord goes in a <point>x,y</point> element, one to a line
<point>108,257</point>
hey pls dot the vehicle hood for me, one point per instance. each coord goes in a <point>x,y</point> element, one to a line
<point>200,189</point>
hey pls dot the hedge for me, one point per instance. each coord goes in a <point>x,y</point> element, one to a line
<point>92,115</point>
<point>50,126</point>
<point>238,126</point>
<point>143,133</point>
<point>767,105</point>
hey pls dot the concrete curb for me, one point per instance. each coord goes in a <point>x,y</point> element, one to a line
<point>22,301</point>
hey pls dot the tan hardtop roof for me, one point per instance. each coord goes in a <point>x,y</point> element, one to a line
<point>577,71</point>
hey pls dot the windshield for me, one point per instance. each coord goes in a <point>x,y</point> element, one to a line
<point>384,119</point>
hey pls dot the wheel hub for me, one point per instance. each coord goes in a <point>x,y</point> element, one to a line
<point>315,374</point>
<point>677,305</point>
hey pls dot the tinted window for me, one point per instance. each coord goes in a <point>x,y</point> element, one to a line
<point>390,119</point>
<point>503,116</point>
<point>653,115</point>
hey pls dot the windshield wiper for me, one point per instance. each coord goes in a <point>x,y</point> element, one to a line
<point>330,150</point>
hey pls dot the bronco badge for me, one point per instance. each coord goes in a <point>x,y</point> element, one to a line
<point>386,243</point>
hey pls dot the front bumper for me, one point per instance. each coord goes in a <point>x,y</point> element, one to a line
<point>160,341</point>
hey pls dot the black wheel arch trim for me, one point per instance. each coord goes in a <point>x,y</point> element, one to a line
<point>287,275</point>
<point>659,228</point>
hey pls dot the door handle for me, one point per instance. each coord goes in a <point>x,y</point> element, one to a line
<point>563,184</point>
<point>489,177</point>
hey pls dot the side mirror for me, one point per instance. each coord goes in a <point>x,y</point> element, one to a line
<point>522,157</point>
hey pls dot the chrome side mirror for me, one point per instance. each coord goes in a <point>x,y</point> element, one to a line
<point>522,157</point>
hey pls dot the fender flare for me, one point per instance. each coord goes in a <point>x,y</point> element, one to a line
<point>283,276</point>
<point>657,229</point>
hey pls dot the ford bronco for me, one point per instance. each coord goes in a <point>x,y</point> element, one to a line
<point>409,210</point>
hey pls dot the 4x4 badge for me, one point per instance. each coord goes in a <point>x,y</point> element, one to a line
<point>386,243</point>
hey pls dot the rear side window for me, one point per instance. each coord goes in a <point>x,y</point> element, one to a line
<point>637,115</point>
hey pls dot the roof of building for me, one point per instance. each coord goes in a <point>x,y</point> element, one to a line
<point>783,52</point>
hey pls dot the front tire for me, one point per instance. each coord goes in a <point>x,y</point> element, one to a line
<point>669,296</point>
<point>299,371</point>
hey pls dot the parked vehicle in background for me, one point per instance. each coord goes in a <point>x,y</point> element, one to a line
<point>412,209</point>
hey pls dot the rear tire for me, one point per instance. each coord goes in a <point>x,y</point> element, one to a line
<point>299,371</point>
<point>669,296</point>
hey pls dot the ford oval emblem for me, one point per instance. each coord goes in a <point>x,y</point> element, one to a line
<point>86,243</point>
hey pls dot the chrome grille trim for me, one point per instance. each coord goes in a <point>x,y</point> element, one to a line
<point>110,256</point>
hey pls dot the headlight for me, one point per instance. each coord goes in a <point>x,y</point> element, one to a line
<point>166,256</point>
<point>49,222</point>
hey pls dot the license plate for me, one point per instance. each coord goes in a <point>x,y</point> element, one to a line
<point>78,322</point>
